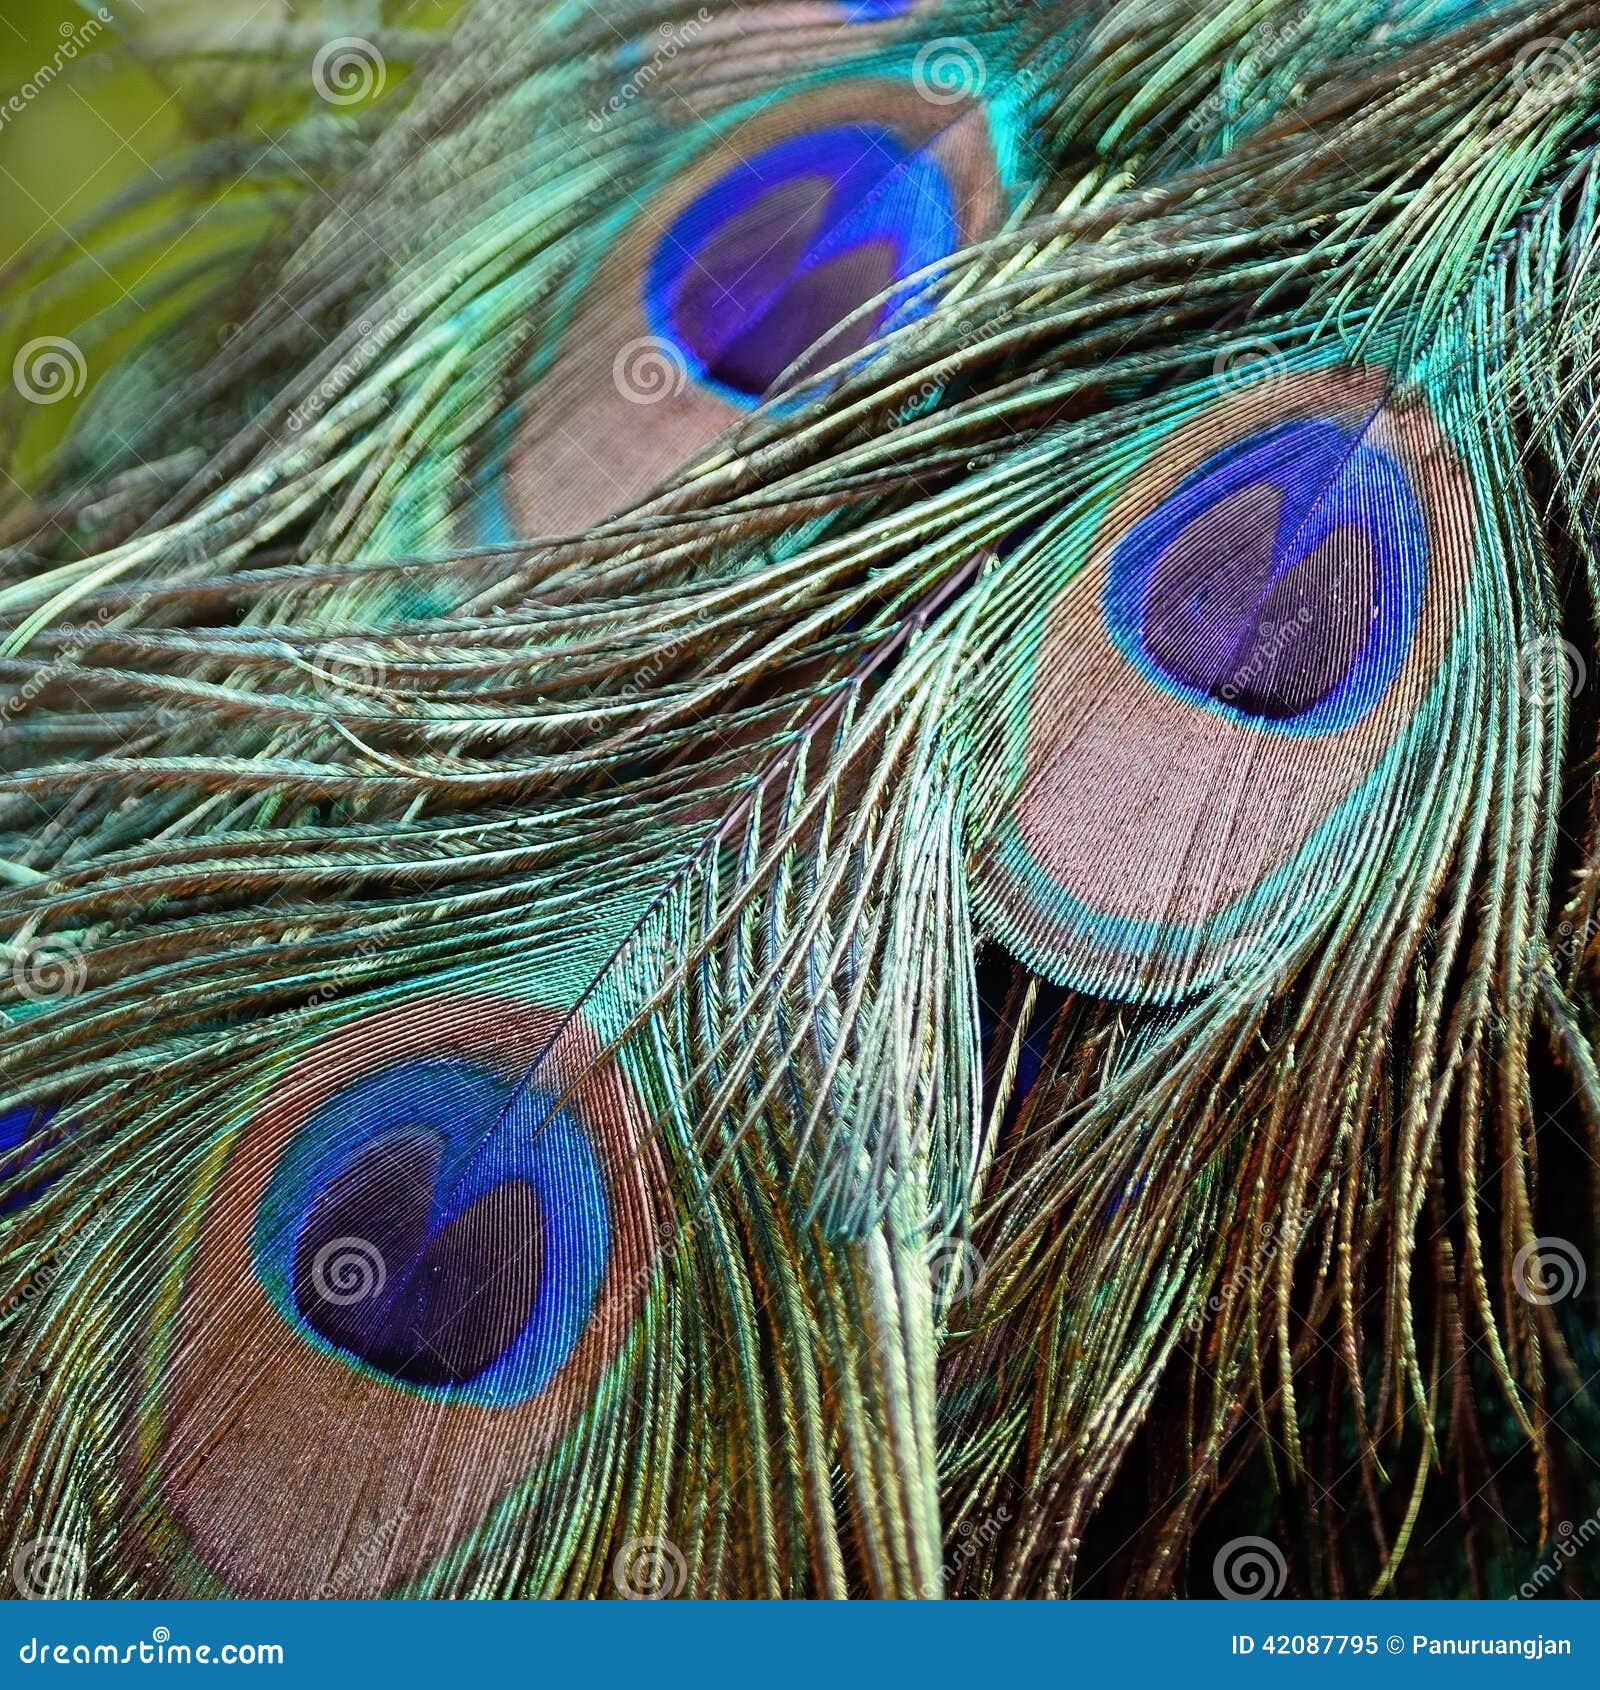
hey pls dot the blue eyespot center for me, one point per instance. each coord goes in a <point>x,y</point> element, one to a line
<point>23,1139</point>
<point>442,1226</point>
<point>1280,582</point>
<point>445,1303</point>
<point>784,247</point>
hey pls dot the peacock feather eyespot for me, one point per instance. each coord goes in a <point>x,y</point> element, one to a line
<point>760,254</point>
<point>788,245</point>
<point>1279,582</point>
<point>416,1268</point>
<point>1259,626</point>
<point>441,1225</point>
<point>25,1134</point>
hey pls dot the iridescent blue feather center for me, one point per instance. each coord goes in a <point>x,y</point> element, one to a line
<point>780,250</point>
<point>436,1223</point>
<point>1279,583</point>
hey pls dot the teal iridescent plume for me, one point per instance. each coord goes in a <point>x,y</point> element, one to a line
<point>797,802</point>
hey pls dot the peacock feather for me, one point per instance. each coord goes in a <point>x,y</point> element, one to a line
<point>796,802</point>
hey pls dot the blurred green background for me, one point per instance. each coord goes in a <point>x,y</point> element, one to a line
<point>98,98</point>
